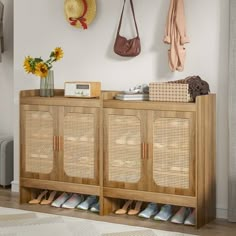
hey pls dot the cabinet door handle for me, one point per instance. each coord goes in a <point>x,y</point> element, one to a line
<point>54,142</point>
<point>57,144</point>
<point>146,151</point>
<point>143,150</point>
<point>60,143</point>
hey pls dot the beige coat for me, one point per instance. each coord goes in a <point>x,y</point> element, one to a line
<point>175,35</point>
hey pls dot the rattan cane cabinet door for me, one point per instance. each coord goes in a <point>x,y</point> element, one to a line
<point>80,137</point>
<point>38,129</point>
<point>172,152</point>
<point>124,134</point>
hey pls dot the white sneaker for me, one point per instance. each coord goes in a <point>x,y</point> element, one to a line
<point>164,214</point>
<point>73,201</point>
<point>60,200</point>
<point>90,200</point>
<point>190,220</point>
<point>180,216</point>
<point>95,207</point>
<point>149,211</point>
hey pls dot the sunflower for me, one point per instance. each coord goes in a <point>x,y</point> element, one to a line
<point>58,53</point>
<point>41,69</point>
<point>38,66</point>
<point>27,64</point>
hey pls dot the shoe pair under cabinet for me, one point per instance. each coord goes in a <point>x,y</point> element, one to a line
<point>67,200</point>
<point>181,215</point>
<point>151,152</point>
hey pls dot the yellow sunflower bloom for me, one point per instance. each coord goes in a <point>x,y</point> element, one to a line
<point>58,53</point>
<point>27,65</point>
<point>41,70</point>
<point>38,66</point>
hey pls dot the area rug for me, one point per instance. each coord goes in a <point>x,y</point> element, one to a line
<point>133,233</point>
<point>14,222</point>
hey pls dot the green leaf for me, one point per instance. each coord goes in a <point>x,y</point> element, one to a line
<point>52,54</point>
<point>38,60</point>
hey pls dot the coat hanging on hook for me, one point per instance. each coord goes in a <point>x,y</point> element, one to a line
<point>1,30</point>
<point>175,35</point>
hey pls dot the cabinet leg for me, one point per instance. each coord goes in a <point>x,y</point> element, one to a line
<point>26,195</point>
<point>110,205</point>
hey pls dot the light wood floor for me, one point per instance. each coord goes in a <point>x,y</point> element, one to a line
<point>219,227</point>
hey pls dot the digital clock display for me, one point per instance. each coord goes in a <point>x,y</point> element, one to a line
<point>82,86</point>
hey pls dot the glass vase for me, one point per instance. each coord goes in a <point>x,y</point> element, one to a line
<point>47,85</point>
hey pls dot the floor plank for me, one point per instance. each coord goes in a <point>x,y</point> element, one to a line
<point>218,227</point>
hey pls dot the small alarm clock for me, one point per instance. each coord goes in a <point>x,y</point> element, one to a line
<point>82,89</point>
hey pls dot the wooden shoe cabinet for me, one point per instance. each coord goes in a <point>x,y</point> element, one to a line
<point>161,152</point>
<point>59,144</point>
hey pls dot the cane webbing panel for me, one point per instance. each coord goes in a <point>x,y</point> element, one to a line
<point>79,132</point>
<point>171,152</point>
<point>124,144</point>
<point>39,142</point>
<point>169,92</point>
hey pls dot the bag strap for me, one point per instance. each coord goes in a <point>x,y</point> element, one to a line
<point>121,17</point>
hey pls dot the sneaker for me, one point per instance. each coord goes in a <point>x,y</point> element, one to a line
<point>60,200</point>
<point>149,211</point>
<point>180,216</point>
<point>90,200</point>
<point>190,220</point>
<point>73,201</point>
<point>164,214</point>
<point>95,207</point>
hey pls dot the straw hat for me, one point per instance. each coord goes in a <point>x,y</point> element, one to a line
<point>80,13</point>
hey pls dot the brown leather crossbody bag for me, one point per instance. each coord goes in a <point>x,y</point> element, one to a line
<point>127,47</point>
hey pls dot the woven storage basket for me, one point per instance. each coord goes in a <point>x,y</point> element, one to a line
<point>169,92</point>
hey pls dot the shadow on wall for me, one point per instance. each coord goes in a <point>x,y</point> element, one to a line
<point>222,140</point>
<point>125,21</point>
<point>161,49</point>
<point>6,71</point>
<point>1,30</point>
<point>158,47</point>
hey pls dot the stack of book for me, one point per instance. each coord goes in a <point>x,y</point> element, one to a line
<point>132,96</point>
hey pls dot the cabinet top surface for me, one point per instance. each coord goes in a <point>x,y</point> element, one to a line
<point>107,101</point>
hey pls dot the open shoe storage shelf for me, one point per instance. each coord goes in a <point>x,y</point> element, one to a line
<point>161,152</point>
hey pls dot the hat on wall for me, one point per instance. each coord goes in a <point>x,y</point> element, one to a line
<point>80,13</point>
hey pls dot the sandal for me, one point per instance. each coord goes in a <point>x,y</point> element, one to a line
<point>124,209</point>
<point>39,198</point>
<point>136,209</point>
<point>50,199</point>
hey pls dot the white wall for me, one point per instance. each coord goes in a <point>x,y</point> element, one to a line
<point>40,26</point>
<point>6,72</point>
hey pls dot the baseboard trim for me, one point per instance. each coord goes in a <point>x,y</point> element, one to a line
<point>15,187</point>
<point>221,213</point>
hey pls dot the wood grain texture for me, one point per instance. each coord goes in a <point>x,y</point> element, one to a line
<point>120,152</point>
<point>162,198</point>
<point>148,105</point>
<point>36,92</point>
<point>58,107</point>
<point>180,161</point>
<point>60,186</point>
<point>33,134</point>
<point>217,227</point>
<point>100,159</point>
<point>201,119</point>
<point>206,152</point>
